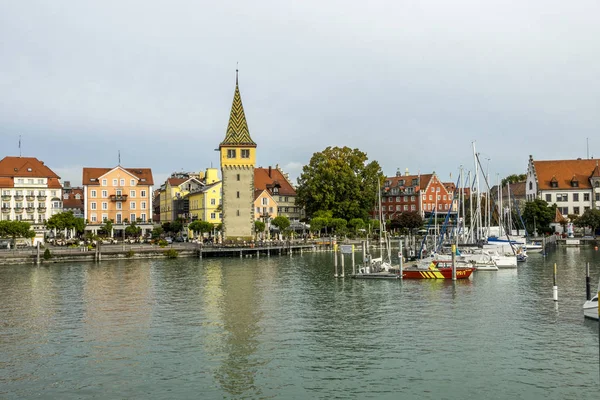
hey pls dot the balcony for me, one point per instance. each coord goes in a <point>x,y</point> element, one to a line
<point>5,210</point>
<point>118,197</point>
<point>18,197</point>
<point>6,197</point>
<point>30,210</point>
<point>30,197</point>
<point>19,209</point>
<point>42,209</point>
<point>41,197</point>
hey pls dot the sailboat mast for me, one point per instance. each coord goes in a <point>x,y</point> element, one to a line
<point>500,209</point>
<point>479,221</point>
<point>462,202</point>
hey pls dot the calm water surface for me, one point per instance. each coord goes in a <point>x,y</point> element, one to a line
<point>285,328</point>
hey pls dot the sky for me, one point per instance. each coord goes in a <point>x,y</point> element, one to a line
<point>413,84</point>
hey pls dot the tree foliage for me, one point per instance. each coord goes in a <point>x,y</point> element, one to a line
<point>590,218</point>
<point>340,180</point>
<point>200,227</point>
<point>538,214</point>
<point>66,220</point>
<point>514,178</point>
<point>16,229</point>
<point>133,230</point>
<point>356,224</point>
<point>281,222</point>
<point>338,225</point>
<point>409,220</point>
<point>259,226</point>
<point>318,224</point>
<point>172,227</point>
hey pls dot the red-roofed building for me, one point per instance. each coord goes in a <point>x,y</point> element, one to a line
<point>573,185</point>
<point>422,193</point>
<point>30,190</point>
<point>120,194</point>
<point>73,199</point>
<point>277,184</point>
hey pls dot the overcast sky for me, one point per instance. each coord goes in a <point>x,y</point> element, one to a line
<point>410,82</point>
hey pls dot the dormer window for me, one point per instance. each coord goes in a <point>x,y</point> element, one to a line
<point>574,183</point>
<point>275,190</point>
<point>78,196</point>
<point>553,182</point>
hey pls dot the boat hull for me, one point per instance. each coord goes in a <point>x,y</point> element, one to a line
<point>590,308</point>
<point>438,273</point>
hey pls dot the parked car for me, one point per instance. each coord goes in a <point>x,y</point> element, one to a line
<point>168,240</point>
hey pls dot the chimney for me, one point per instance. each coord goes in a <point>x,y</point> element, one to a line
<point>406,172</point>
<point>269,171</point>
<point>67,184</point>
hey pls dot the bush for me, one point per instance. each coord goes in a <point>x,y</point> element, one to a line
<point>130,254</point>
<point>47,254</point>
<point>162,243</point>
<point>172,253</point>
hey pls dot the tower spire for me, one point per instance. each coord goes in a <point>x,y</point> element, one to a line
<point>237,128</point>
<point>236,73</point>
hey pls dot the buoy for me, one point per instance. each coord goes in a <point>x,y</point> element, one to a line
<point>596,248</point>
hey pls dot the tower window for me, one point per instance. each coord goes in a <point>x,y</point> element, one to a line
<point>231,153</point>
<point>238,195</point>
<point>245,153</point>
<point>238,212</point>
<point>238,177</point>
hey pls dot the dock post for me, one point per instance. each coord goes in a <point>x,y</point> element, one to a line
<point>554,288</point>
<point>335,261</point>
<point>544,246</point>
<point>257,254</point>
<point>588,291</point>
<point>401,264</point>
<point>37,261</point>
<point>342,262</point>
<point>353,264</point>
<point>99,252</point>
<point>453,262</point>
<point>241,256</point>
<point>364,252</point>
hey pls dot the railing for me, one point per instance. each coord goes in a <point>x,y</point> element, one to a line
<point>6,197</point>
<point>42,208</point>
<point>18,197</point>
<point>41,197</point>
<point>5,209</point>
<point>30,209</point>
<point>19,209</point>
<point>30,197</point>
<point>114,197</point>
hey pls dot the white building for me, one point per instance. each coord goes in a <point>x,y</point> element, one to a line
<point>573,185</point>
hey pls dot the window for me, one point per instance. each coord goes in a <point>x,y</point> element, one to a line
<point>412,198</point>
<point>105,194</point>
<point>93,194</point>
<point>413,207</point>
<point>444,197</point>
<point>432,190</point>
<point>575,183</point>
<point>597,184</point>
<point>40,181</point>
<point>78,196</point>
<point>286,199</point>
<point>586,197</point>
<point>119,220</point>
<point>597,196</point>
<point>143,217</point>
<point>406,207</point>
<point>104,217</point>
<point>143,205</point>
<point>213,202</point>
<point>562,197</point>
<point>576,210</point>
<point>132,193</point>
<point>548,197</point>
<point>439,197</point>
<point>65,196</point>
<point>119,193</point>
<point>20,180</point>
<point>30,181</point>
<point>563,210</point>
<point>265,201</point>
<point>530,185</point>
<point>94,218</point>
<point>122,182</point>
<point>53,193</point>
<point>212,216</point>
<point>554,184</point>
<point>104,182</point>
<point>238,177</point>
<point>405,199</point>
<point>437,189</point>
<point>238,213</point>
<point>258,210</point>
<point>93,205</point>
<point>245,153</point>
<point>391,208</point>
<point>231,153</point>
<point>104,205</point>
<point>238,195</point>
<point>142,193</point>
<point>132,218</point>
<point>132,205</point>
<point>132,182</point>
<point>575,196</point>
<point>114,182</point>
<point>398,208</point>
<point>585,209</point>
<point>119,205</point>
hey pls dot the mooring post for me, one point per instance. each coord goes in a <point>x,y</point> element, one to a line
<point>342,261</point>
<point>257,254</point>
<point>99,252</point>
<point>37,261</point>
<point>453,262</point>
<point>364,253</point>
<point>335,261</point>
<point>353,265</point>
<point>400,253</point>
<point>554,288</point>
<point>588,289</point>
<point>241,256</point>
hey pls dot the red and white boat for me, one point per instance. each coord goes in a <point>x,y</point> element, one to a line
<point>437,269</point>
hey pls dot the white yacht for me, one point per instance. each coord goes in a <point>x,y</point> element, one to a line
<point>590,308</point>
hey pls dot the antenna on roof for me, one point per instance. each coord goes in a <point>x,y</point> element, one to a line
<point>19,145</point>
<point>119,157</point>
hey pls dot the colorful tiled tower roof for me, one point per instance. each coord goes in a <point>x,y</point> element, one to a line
<point>237,128</point>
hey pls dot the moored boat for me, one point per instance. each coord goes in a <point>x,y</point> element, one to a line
<point>436,270</point>
<point>590,308</point>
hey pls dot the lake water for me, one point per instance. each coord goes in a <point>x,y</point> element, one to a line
<point>284,328</point>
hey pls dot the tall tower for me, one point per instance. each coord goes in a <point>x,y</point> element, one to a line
<point>238,158</point>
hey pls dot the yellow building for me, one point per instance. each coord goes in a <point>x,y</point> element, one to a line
<point>205,202</point>
<point>265,207</point>
<point>238,158</point>
<point>119,194</point>
<point>173,192</point>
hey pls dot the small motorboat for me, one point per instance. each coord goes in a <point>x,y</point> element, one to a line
<point>590,308</point>
<point>437,270</point>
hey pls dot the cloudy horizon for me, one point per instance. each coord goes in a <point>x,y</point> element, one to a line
<point>410,83</point>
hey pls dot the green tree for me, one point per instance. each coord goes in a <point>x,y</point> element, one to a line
<point>318,224</point>
<point>410,220</point>
<point>16,229</point>
<point>340,180</point>
<point>339,225</point>
<point>133,230</point>
<point>156,232</point>
<point>200,227</point>
<point>356,224</point>
<point>66,220</point>
<point>590,218</point>
<point>282,222</point>
<point>259,227</point>
<point>514,179</point>
<point>538,214</point>
<point>107,227</point>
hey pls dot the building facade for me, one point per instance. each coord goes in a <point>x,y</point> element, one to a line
<point>423,193</point>
<point>122,195</point>
<point>30,191</point>
<point>73,199</point>
<point>238,158</point>
<point>277,184</point>
<point>573,185</point>
<point>205,203</point>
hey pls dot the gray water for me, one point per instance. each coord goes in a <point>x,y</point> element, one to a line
<point>285,328</point>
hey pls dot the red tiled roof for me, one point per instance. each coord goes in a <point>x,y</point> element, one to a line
<point>394,181</point>
<point>176,181</point>
<point>72,201</point>
<point>144,174</point>
<point>263,181</point>
<point>11,167</point>
<point>564,171</point>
